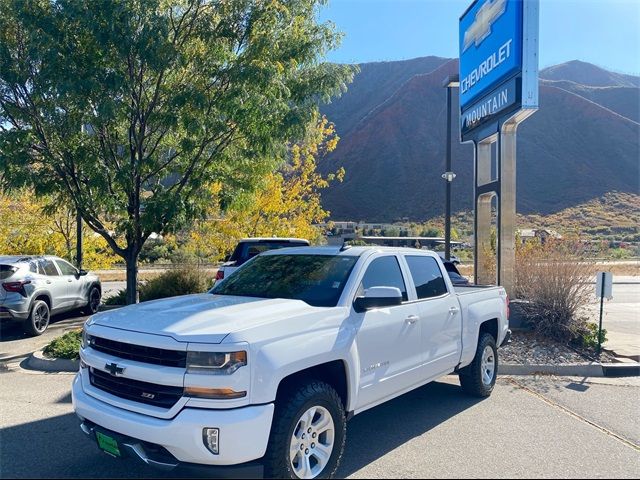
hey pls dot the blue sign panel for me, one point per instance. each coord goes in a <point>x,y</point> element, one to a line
<point>490,47</point>
<point>501,100</point>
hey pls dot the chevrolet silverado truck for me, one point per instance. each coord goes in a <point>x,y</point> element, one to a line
<point>260,375</point>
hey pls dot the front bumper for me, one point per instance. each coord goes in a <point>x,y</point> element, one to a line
<point>157,457</point>
<point>244,432</point>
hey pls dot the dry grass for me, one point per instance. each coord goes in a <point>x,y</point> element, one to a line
<point>120,275</point>
<point>629,268</point>
<point>555,280</point>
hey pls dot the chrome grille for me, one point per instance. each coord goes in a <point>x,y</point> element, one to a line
<point>150,393</point>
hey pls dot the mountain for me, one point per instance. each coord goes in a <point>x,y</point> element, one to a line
<point>620,99</point>
<point>575,148</point>
<point>376,82</point>
<point>614,215</point>
<point>587,74</point>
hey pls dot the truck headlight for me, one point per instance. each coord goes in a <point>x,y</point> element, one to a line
<point>211,363</point>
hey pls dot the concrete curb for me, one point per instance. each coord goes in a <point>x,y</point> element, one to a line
<point>621,369</point>
<point>12,358</point>
<point>574,370</point>
<point>37,361</point>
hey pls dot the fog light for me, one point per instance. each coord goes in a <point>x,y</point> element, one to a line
<point>210,437</point>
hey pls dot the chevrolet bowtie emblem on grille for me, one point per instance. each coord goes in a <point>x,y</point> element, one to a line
<point>114,369</point>
<point>481,26</point>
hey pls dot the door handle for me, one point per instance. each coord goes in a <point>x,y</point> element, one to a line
<point>49,282</point>
<point>411,319</point>
<point>453,310</point>
<point>69,280</point>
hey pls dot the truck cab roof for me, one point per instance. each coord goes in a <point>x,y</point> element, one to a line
<point>354,251</point>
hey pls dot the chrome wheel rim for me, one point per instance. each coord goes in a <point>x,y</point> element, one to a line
<point>94,300</point>
<point>41,317</point>
<point>312,443</point>
<point>488,365</point>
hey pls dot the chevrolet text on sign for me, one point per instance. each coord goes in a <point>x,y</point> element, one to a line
<point>494,48</point>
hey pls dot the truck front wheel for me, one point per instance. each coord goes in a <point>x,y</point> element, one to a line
<point>307,435</point>
<point>479,377</point>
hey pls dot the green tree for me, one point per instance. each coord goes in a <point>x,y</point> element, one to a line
<point>285,204</point>
<point>129,109</point>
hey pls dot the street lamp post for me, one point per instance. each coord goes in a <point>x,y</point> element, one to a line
<point>450,82</point>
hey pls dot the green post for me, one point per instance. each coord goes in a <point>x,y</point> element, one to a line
<point>601,309</point>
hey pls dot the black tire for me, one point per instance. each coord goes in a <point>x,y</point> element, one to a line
<point>288,412</point>
<point>92,307</point>
<point>471,376</point>
<point>38,320</point>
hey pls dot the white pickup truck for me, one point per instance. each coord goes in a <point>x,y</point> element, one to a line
<point>259,376</point>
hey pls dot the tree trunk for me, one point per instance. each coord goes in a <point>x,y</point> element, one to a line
<point>132,278</point>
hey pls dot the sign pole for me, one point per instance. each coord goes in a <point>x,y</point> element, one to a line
<point>498,77</point>
<point>601,310</point>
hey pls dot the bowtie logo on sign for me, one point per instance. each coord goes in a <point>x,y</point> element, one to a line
<point>481,26</point>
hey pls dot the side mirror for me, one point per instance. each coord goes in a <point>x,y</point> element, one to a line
<point>82,273</point>
<point>377,297</point>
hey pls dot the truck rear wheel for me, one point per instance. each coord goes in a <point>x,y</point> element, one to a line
<point>307,434</point>
<point>479,377</point>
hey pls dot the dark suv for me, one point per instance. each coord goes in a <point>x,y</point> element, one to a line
<point>248,248</point>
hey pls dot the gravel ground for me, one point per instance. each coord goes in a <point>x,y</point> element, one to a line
<point>528,348</point>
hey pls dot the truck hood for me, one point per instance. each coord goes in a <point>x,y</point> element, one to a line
<point>202,318</point>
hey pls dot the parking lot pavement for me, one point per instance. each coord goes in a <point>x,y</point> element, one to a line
<point>15,343</point>
<point>530,427</point>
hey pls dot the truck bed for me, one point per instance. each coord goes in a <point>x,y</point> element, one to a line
<point>467,289</point>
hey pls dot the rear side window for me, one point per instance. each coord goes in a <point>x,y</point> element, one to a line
<point>6,271</point>
<point>384,272</point>
<point>427,276</point>
<point>49,268</point>
<point>66,268</point>
<point>247,250</point>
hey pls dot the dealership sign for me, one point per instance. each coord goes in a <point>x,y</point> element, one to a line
<point>498,62</point>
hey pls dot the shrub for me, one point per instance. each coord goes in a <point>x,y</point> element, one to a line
<point>172,283</point>
<point>169,284</point>
<point>589,337</point>
<point>67,346</point>
<point>119,298</point>
<point>554,279</point>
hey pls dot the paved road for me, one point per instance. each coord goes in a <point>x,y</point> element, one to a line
<point>530,427</point>
<point>621,318</point>
<point>111,288</point>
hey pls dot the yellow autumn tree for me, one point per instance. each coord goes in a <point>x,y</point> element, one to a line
<point>285,204</point>
<point>29,226</point>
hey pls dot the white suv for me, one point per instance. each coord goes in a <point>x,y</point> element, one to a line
<point>32,288</point>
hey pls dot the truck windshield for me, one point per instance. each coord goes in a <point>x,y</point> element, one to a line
<point>315,279</point>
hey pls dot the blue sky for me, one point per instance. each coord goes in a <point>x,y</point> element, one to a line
<point>603,32</point>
